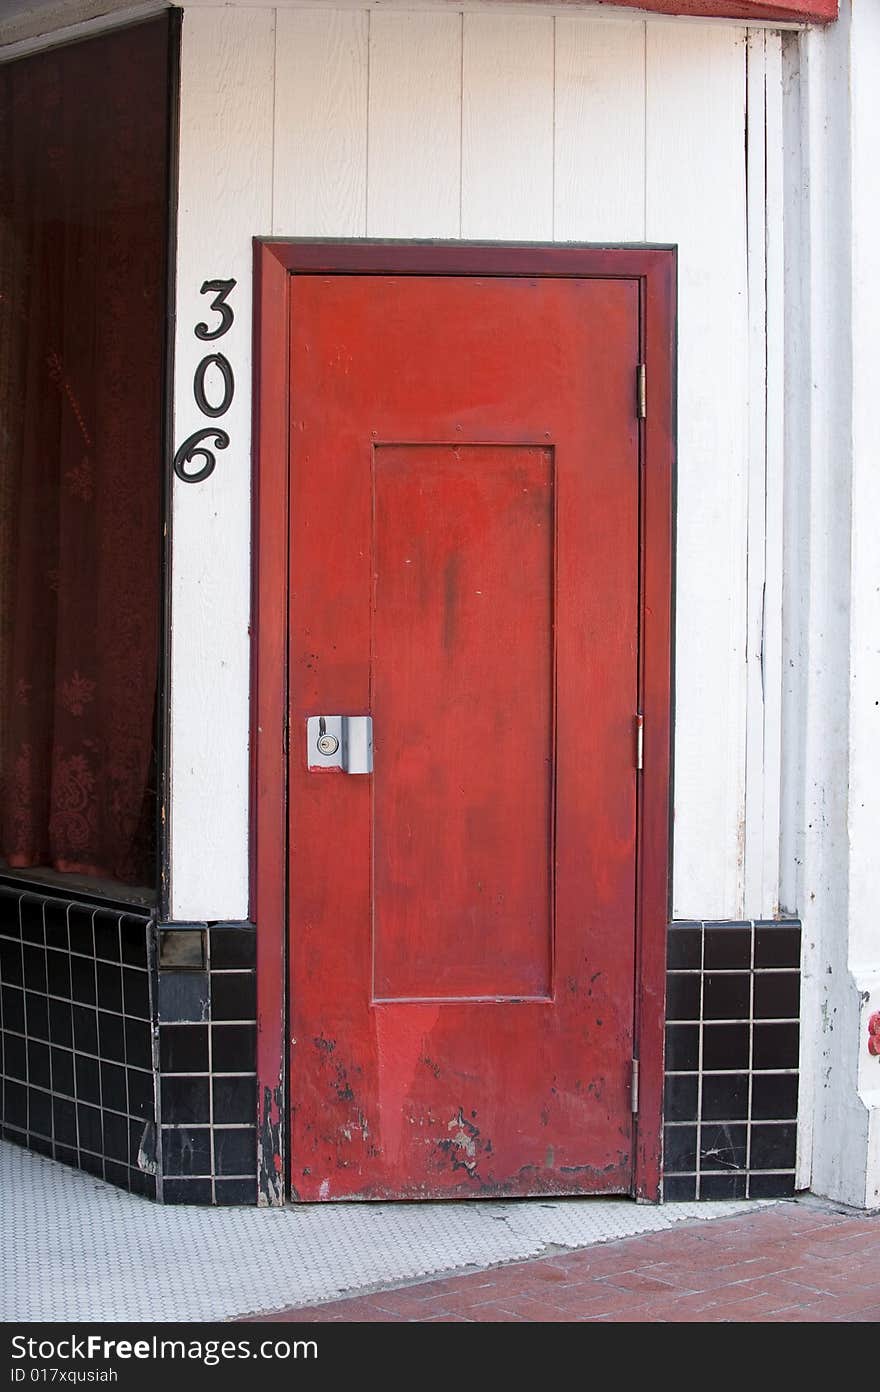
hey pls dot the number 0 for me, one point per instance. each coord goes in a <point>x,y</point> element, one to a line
<point>225,369</point>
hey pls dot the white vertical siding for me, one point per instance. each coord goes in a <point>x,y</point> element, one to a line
<point>765,474</point>
<point>320,183</point>
<point>415,125</point>
<point>695,176</point>
<point>600,109</point>
<point>774,541</point>
<point>511,126</point>
<point>753,868</point>
<point>507,127</point>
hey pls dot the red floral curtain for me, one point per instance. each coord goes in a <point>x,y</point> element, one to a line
<point>83,208</point>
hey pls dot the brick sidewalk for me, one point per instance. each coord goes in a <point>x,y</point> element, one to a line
<point>795,1261</point>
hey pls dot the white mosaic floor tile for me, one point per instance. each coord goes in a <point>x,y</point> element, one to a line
<point>77,1249</point>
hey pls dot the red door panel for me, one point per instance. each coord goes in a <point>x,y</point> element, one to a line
<point>464,568</point>
<point>462,667</point>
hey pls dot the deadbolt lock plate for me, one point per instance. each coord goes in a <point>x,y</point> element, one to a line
<point>341,742</point>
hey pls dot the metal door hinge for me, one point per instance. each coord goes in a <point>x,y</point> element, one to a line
<point>641,392</point>
<point>640,741</point>
<point>635,1087</point>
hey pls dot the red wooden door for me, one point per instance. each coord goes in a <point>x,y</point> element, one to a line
<point>464,567</point>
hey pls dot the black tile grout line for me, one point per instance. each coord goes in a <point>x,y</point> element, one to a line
<point>31,895</point>
<point>73,1097</point>
<point>51,1042</point>
<point>718,1121</point>
<point>90,957</point>
<point>700,1061</point>
<point>124,1164</point>
<point>153,986</point>
<point>27,1062</point>
<point>777,1169</point>
<point>108,908</point>
<point>130,927</point>
<point>187,1178</point>
<point>752,1058</point>
<point>86,911</point>
<point>134,921</point>
<point>734,1174</point>
<point>209,1024</point>
<point>148,1019</point>
<point>133,966</point>
<point>790,922</point>
<point>118,908</point>
<point>729,971</point>
<point>87,956</point>
<point>77,1102</point>
<point>78,1137</point>
<point>212,1024</point>
<point>86,1053</point>
<point>214,925</point>
<point>717,935</point>
<point>736,1020</point>
<point>200,1073</point>
<point>228,1125</point>
<point>211,1070</point>
<point>732,1072</point>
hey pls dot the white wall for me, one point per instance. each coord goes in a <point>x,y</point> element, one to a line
<point>501,125</point>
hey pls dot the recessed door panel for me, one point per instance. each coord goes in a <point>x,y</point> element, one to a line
<point>462,673</point>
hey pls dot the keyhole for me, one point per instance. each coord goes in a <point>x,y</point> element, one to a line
<point>327,744</point>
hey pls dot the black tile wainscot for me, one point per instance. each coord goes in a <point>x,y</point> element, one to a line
<point>207,1029</point>
<point>76,1010</point>
<point>732,1042</point>
<point>129,1049</point>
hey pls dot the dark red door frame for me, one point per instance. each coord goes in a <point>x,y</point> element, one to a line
<point>275,263</point>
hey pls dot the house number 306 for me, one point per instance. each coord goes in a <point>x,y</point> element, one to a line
<point>193,446</point>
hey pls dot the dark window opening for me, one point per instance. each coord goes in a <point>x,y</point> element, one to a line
<point>83,243</point>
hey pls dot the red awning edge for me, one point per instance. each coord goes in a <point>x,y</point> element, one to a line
<point>789,11</point>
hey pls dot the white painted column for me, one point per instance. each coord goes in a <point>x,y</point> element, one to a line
<point>864,707</point>
<point>225,198</point>
<point>834,599</point>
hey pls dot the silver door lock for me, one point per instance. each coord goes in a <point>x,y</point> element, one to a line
<point>343,742</point>
<point>327,744</point>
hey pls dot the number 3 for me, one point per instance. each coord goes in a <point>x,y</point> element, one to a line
<point>219,305</point>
